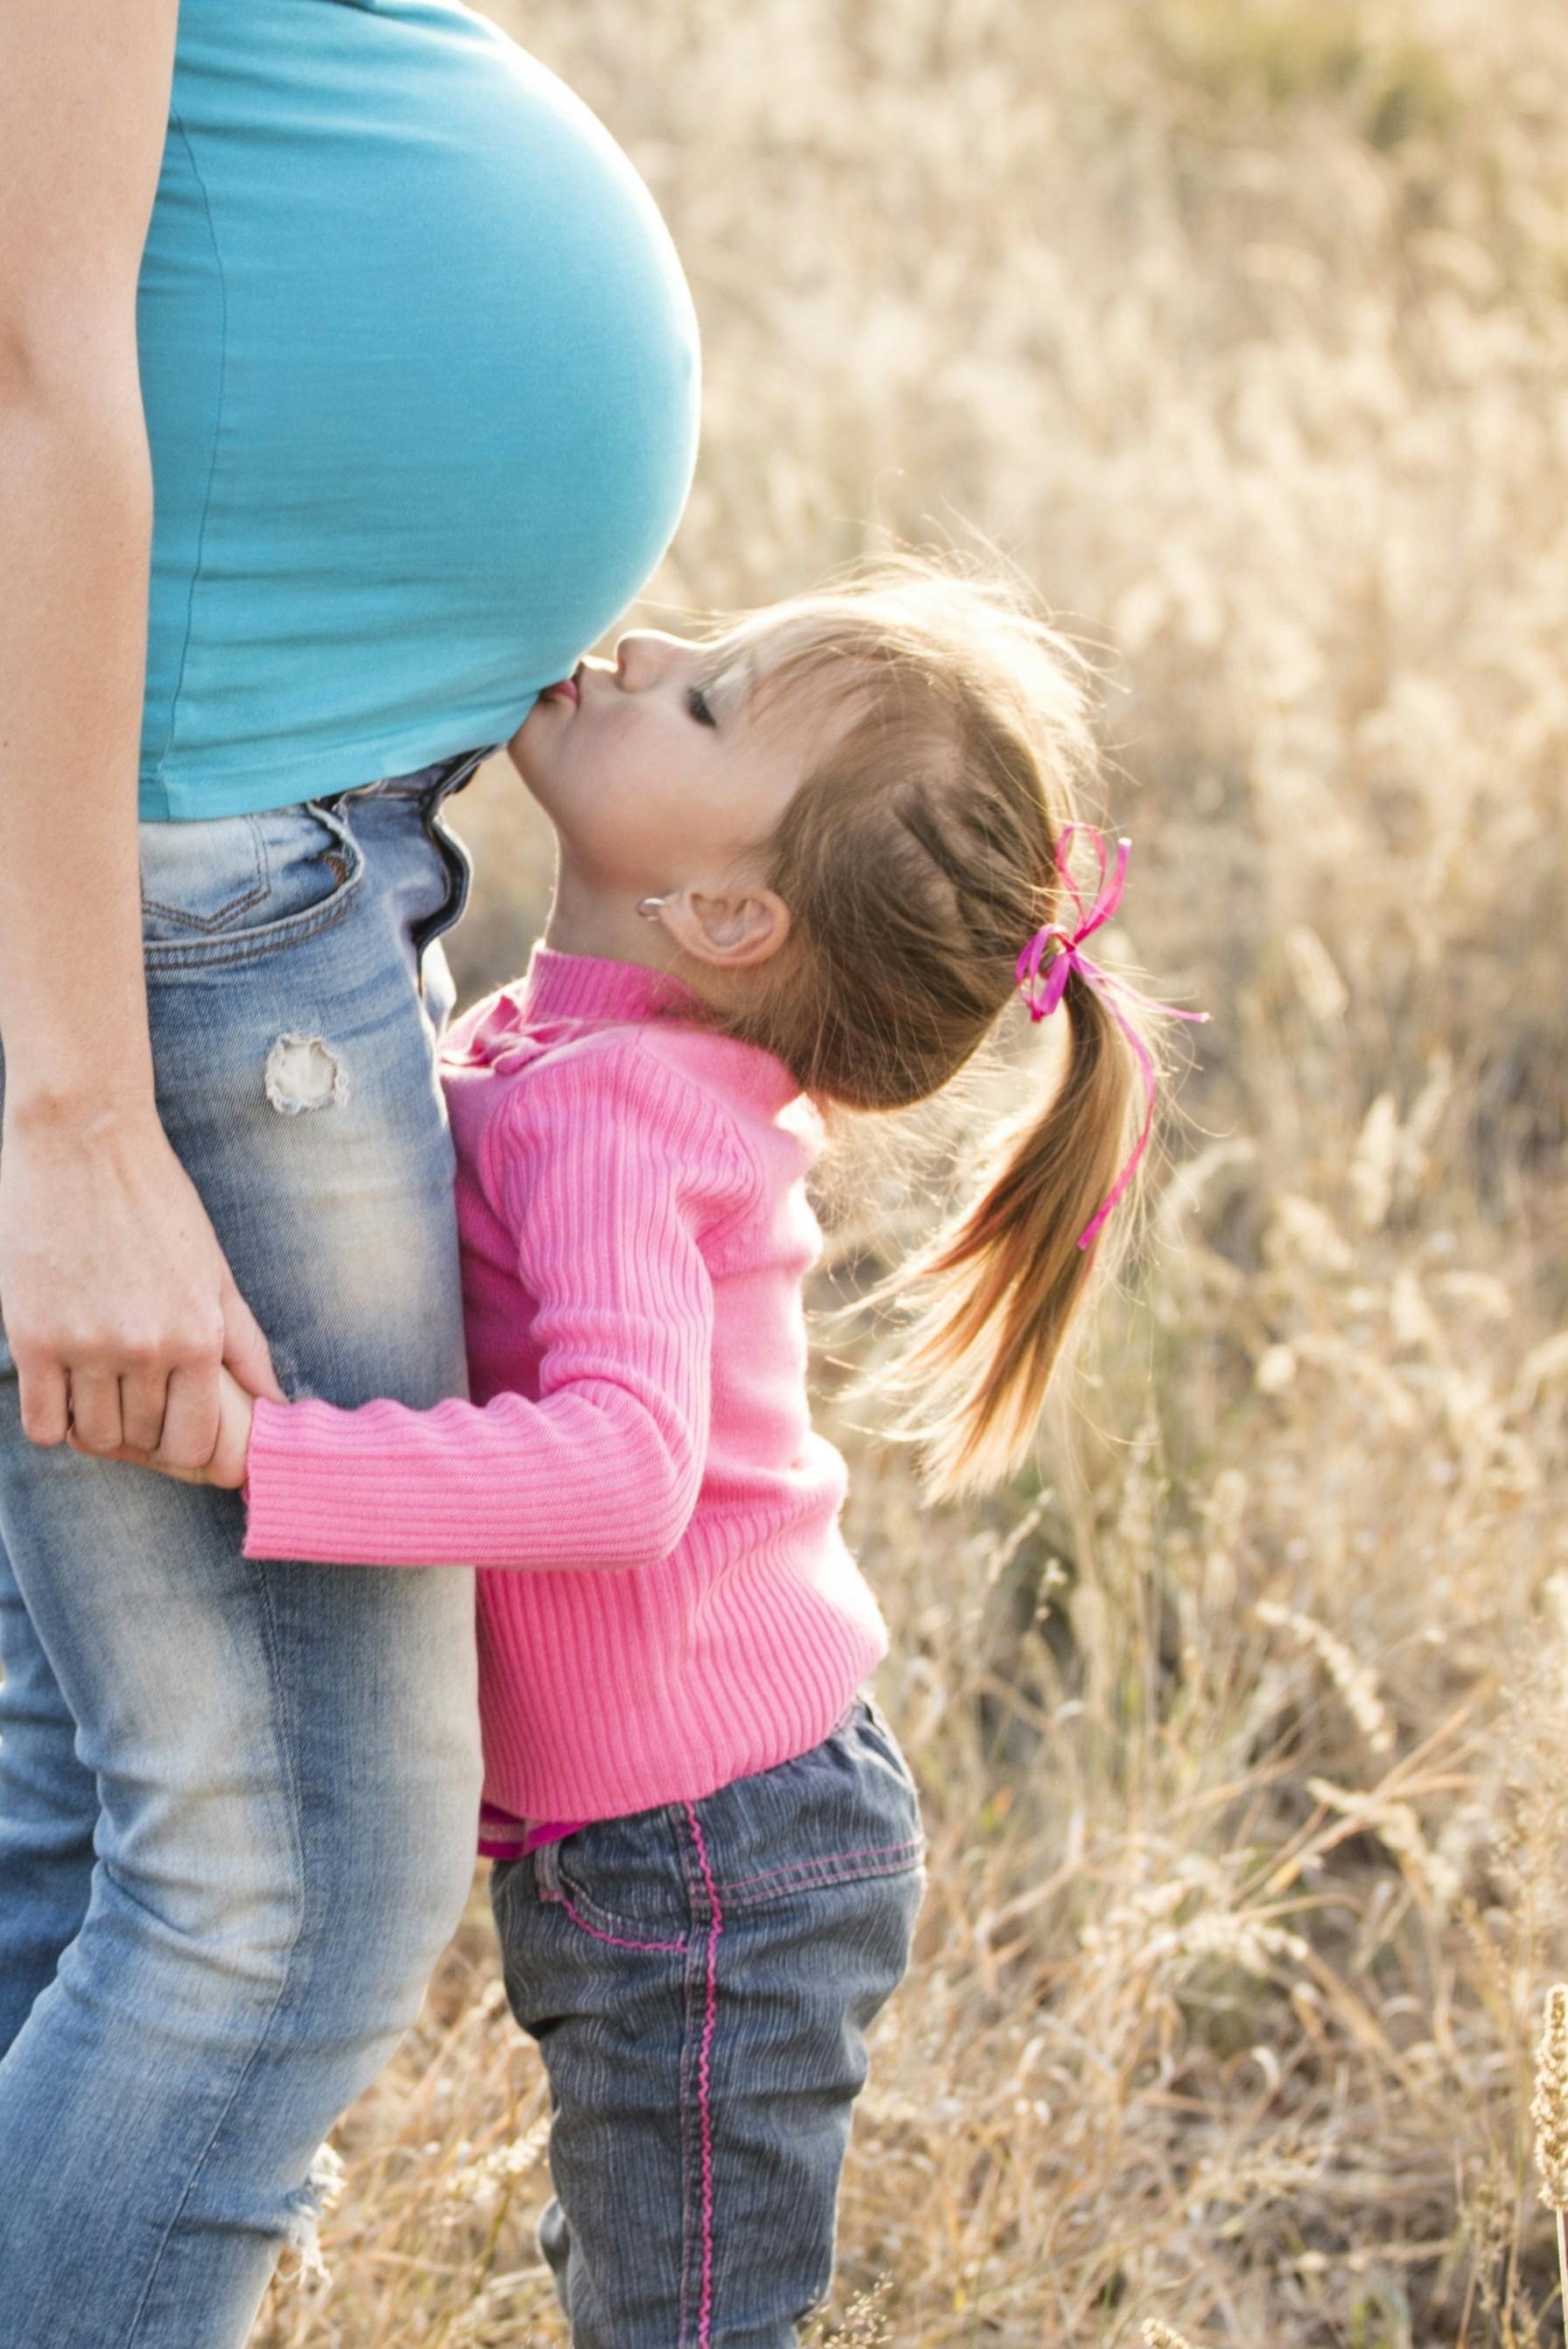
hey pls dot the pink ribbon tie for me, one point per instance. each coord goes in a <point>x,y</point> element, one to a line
<point>1044,990</point>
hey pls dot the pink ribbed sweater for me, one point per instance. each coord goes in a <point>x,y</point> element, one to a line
<point>665,1602</point>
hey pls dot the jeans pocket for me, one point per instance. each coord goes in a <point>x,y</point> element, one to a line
<point>620,1881</point>
<point>846,1810</point>
<point>229,888</point>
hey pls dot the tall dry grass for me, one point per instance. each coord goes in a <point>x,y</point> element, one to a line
<point>1240,327</point>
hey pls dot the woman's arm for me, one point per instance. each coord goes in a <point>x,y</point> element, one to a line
<point>118,1302</point>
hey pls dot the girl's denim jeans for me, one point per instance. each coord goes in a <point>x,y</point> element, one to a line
<point>699,1979</point>
<point>238,1801</point>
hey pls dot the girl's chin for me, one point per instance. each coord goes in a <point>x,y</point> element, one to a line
<point>536,775</point>
<point>523,750</point>
<point>543,707</point>
<point>525,764</point>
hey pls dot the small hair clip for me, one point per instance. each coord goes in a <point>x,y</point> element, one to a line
<point>1042,993</point>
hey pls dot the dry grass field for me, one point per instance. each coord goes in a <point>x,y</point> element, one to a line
<point>1240,327</point>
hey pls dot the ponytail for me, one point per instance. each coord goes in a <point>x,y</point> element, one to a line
<point>995,1296</point>
<point>927,841</point>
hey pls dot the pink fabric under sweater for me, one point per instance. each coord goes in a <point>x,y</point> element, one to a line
<point>666,1603</point>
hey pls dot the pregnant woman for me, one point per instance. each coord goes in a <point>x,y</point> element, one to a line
<point>347,392</point>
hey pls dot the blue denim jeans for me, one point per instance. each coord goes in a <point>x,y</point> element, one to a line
<point>699,1979</point>
<point>238,1801</point>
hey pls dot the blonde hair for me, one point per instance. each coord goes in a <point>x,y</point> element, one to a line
<point>916,858</point>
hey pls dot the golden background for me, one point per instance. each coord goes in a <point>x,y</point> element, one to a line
<point>1240,326</point>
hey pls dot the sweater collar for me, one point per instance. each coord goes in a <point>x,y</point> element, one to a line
<point>588,987</point>
<point>568,989</point>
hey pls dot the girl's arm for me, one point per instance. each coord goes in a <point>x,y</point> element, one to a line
<point>606,1167</point>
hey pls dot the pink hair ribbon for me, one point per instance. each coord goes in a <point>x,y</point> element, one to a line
<point>1043,992</point>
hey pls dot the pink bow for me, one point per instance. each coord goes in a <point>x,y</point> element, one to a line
<point>1043,994</point>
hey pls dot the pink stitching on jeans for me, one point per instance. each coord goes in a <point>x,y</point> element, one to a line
<point>828,1859</point>
<point>615,1941</point>
<point>705,2111</point>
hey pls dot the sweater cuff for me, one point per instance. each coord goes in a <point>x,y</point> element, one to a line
<point>264,1485</point>
<point>288,1492</point>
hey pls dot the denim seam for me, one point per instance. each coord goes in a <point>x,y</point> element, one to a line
<point>831,1860</point>
<point>460,772</point>
<point>690,2130</point>
<point>701,1892</point>
<point>213,925</point>
<point>291,1772</point>
<point>198,954</point>
<point>556,1898</point>
<point>560,1889</point>
<point>909,1864</point>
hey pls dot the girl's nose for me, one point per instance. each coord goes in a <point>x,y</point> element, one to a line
<point>641,657</point>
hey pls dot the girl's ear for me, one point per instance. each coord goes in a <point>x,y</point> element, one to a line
<point>731,931</point>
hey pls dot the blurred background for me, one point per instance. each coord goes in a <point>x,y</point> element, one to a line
<point>1241,327</point>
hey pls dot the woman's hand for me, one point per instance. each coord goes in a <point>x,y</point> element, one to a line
<point>227,1465</point>
<point>119,1305</point>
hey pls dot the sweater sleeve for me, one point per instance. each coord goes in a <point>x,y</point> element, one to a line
<point>606,1167</point>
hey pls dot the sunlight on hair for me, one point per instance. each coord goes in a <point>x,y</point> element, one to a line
<point>952,747</point>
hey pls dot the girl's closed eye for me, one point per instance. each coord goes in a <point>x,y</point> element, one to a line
<point>697,703</point>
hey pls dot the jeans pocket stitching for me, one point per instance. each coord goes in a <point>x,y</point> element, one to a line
<point>558,1898</point>
<point>208,925</point>
<point>212,926</point>
<point>558,1889</point>
<point>291,929</point>
<point>830,1868</point>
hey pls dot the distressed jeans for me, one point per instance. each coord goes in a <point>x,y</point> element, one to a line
<point>238,1801</point>
<point>700,1979</point>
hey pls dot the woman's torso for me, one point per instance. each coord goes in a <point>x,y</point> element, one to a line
<point>419,369</point>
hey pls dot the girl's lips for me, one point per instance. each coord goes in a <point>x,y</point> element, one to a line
<point>566,690</point>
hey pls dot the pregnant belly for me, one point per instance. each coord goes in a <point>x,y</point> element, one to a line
<point>420,366</point>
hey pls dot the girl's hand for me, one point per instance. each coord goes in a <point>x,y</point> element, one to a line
<point>227,1465</point>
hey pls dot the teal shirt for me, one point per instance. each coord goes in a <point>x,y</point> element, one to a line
<point>421,374</point>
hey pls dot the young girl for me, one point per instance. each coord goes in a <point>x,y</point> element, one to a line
<point>811,860</point>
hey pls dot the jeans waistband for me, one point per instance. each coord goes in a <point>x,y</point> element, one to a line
<point>429,785</point>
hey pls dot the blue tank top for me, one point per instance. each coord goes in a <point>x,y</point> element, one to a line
<point>420,374</point>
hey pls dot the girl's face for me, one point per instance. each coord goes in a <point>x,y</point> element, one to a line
<point>654,771</point>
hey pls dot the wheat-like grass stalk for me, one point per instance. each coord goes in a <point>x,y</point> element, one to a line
<point>1159,2337</point>
<point>1549,2111</point>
